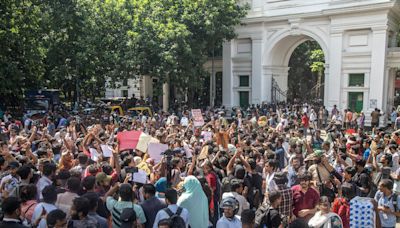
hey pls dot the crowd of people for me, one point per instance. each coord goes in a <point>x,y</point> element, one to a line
<point>281,166</point>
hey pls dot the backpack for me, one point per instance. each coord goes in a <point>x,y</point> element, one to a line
<point>176,219</point>
<point>262,217</point>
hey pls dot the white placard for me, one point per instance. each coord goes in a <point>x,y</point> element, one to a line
<point>107,150</point>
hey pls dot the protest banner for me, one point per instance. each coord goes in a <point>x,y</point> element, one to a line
<point>128,139</point>
<point>198,120</point>
<point>155,150</point>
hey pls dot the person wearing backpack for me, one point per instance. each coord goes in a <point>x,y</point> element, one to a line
<point>268,215</point>
<point>388,204</point>
<point>178,216</point>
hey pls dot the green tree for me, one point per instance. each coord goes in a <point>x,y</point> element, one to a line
<point>176,36</point>
<point>318,66</point>
<point>301,77</point>
<point>79,45</point>
<point>21,50</point>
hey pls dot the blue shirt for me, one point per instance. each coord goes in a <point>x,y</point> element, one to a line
<point>393,116</point>
<point>390,220</point>
<point>366,153</point>
<point>292,177</point>
<point>173,207</point>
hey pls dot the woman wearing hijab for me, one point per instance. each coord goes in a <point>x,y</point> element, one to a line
<point>195,201</point>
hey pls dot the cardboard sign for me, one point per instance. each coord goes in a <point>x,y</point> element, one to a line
<point>188,151</point>
<point>207,135</point>
<point>107,150</point>
<point>143,143</point>
<point>128,139</point>
<point>198,120</point>
<point>204,153</point>
<point>155,150</point>
<point>140,177</point>
<point>94,155</point>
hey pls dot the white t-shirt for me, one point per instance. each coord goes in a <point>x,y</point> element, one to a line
<point>224,222</point>
<point>396,185</point>
<point>184,121</point>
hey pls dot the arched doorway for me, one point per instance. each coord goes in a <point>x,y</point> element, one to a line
<point>306,74</point>
<point>278,56</point>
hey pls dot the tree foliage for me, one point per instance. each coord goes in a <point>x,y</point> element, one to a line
<point>305,63</point>
<point>70,44</point>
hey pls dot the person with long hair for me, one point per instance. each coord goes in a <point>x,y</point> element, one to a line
<point>324,218</point>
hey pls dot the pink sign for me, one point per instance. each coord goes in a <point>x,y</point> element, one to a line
<point>128,139</point>
<point>198,120</point>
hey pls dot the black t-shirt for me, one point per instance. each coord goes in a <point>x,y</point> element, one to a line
<point>362,180</point>
<point>254,184</point>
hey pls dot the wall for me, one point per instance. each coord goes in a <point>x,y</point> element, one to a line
<point>354,36</point>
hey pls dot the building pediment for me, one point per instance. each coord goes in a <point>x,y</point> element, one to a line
<point>288,8</point>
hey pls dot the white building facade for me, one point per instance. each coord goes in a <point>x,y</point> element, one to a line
<point>358,38</point>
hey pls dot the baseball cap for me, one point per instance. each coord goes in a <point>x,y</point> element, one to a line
<point>102,177</point>
<point>13,165</point>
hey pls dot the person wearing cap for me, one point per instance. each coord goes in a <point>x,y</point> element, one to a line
<point>161,187</point>
<point>230,219</point>
<point>9,184</point>
<point>102,183</point>
<point>171,198</point>
<point>321,169</point>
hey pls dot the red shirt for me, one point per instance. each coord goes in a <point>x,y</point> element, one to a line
<point>212,182</point>
<point>308,200</point>
<point>342,208</point>
<point>305,120</point>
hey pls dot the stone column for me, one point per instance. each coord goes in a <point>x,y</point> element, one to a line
<point>165,97</point>
<point>266,85</point>
<point>326,86</point>
<point>378,70</point>
<point>335,70</point>
<point>256,68</point>
<point>227,82</point>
